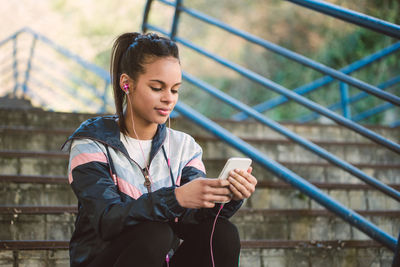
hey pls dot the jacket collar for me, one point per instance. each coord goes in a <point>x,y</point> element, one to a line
<point>105,129</point>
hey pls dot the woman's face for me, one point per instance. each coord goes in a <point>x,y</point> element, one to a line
<point>155,92</point>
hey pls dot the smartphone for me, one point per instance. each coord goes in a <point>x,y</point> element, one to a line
<point>234,163</point>
<point>231,164</point>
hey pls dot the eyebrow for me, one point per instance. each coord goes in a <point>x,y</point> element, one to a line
<point>163,83</point>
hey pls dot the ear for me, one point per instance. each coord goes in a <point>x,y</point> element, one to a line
<point>125,79</point>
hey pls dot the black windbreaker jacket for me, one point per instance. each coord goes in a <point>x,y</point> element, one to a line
<point>110,187</point>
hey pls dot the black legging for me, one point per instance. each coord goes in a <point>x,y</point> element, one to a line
<point>146,245</point>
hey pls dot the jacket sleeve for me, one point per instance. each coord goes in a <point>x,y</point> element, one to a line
<point>195,169</point>
<point>91,181</point>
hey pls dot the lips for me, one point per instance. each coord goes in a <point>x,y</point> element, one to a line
<point>163,111</point>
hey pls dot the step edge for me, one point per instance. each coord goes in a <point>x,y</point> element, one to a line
<point>245,244</point>
<point>62,209</point>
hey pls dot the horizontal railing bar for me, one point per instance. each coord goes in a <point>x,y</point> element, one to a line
<point>13,36</point>
<point>395,124</point>
<point>295,57</point>
<point>94,68</point>
<point>295,137</point>
<point>61,85</point>
<point>71,76</point>
<point>295,180</point>
<point>351,99</point>
<point>373,111</point>
<point>357,65</point>
<point>170,3</point>
<point>37,98</point>
<point>67,83</point>
<point>351,16</point>
<point>289,94</point>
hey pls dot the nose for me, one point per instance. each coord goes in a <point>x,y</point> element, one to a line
<point>167,96</point>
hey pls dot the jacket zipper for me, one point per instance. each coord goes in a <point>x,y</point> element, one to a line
<point>147,182</point>
<point>145,173</point>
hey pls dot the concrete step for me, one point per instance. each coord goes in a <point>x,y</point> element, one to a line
<point>37,223</point>
<point>35,190</point>
<point>257,253</point>
<point>56,163</point>
<point>317,171</point>
<point>283,150</point>
<point>28,138</point>
<point>313,131</point>
<point>33,163</point>
<point>338,253</point>
<point>31,139</point>
<point>41,119</point>
<point>57,223</point>
<point>55,190</point>
<point>305,224</point>
<point>250,129</point>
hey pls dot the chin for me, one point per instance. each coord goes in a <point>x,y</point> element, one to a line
<point>160,120</point>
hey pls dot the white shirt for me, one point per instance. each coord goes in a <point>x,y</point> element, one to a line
<point>134,150</point>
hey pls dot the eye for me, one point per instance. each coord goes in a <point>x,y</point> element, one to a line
<point>155,89</point>
<point>174,91</point>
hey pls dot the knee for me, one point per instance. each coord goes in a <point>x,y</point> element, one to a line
<point>159,233</point>
<point>149,235</point>
<point>226,235</point>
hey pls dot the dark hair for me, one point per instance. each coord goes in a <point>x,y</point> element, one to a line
<point>129,54</point>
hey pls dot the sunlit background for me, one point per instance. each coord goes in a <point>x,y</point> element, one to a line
<point>87,28</point>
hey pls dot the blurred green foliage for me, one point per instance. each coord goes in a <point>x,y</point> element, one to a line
<point>309,33</point>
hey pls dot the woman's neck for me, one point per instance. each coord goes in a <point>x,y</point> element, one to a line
<point>143,129</point>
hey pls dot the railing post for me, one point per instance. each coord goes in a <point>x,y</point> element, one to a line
<point>344,95</point>
<point>146,15</point>
<point>103,109</point>
<point>29,64</point>
<point>175,22</point>
<point>15,66</point>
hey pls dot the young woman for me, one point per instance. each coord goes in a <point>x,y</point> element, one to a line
<point>140,185</point>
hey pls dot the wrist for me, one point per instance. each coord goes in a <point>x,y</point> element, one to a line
<point>178,196</point>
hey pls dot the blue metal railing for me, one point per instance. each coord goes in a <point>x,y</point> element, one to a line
<point>356,98</point>
<point>79,82</point>
<point>340,75</point>
<point>280,171</point>
<point>351,16</point>
<point>289,94</point>
<point>283,52</point>
<point>292,136</point>
<point>302,90</point>
<point>290,177</point>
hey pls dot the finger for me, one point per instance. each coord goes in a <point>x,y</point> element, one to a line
<point>250,178</point>
<point>224,191</point>
<point>250,169</point>
<point>240,176</point>
<point>240,187</point>
<point>207,204</point>
<point>216,182</point>
<point>219,198</point>
<point>235,192</point>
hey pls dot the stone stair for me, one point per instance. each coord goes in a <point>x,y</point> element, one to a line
<point>279,226</point>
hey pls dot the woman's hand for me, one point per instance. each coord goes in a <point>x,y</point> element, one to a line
<point>203,193</point>
<point>242,183</point>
